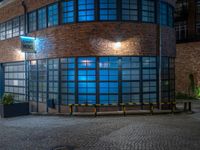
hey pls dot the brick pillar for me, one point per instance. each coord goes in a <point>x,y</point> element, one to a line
<point>1,81</point>
<point>191,19</point>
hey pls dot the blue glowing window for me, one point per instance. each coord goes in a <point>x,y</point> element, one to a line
<point>149,86</point>
<point>129,9</point>
<point>87,87</point>
<point>149,62</point>
<point>130,87</point>
<point>170,16</point>
<point>87,62</point>
<point>16,26</point>
<point>68,11</point>
<point>32,21</point>
<point>109,62</point>
<point>108,87</point>
<point>68,99</point>
<point>86,75</point>
<point>108,99</point>
<point>163,13</point>
<point>87,99</point>
<point>86,10</point>
<point>149,74</point>
<point>108,9</point>
<point>42,18</point>
<point>53,15</point>
<point>148,11</point>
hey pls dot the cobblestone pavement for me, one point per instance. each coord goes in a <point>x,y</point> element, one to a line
<point>159,132</point>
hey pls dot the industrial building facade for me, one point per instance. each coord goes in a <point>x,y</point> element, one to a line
<point>87,52</point>
<point>187,25</point>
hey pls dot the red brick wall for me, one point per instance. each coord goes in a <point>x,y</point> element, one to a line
<point>187,62</point>
<point>86,39</point>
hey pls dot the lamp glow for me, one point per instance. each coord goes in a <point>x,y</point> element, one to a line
<point>117,45</point>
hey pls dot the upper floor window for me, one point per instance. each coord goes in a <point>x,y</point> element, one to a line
<point>129,9</point>
<point>42,18</point>
<point>163,13</point>
<point>86,10</point>
<point>148,11</point>
<point>32,22</point>
<point>181,30</point>
<point>9,29</point>
<point>198,17</point>
<point>16,27</point>
<point>170,16</point>
<point>21,18</point>
<point>53,15</point>
<point>68,11</point>
<point>108,9</point>
<point>2,31</point>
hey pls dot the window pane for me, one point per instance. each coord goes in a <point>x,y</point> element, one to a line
<point>108,9</point>
<point>2,31</point>
<point>53,15</point>
<point>129,10</point>
<point>42,18</point>
<point>32,21</point>
<point>148,11</point>
<point>68,11</point>
<point>9,29</point>
<point>86,10</point>
<point>16,27</point>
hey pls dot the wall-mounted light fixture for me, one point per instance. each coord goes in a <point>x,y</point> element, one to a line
<point>117,45</point>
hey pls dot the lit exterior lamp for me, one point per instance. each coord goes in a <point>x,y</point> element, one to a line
<point>117,45</point>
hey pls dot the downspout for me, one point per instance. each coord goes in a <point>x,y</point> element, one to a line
<point>25,60</point>
<point>25,17</point>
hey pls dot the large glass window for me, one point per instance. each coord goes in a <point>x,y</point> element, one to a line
<point>32,21</point>
<point>148,11</point>
<point>108,9</point>
<point>68,11</point>
<point>53,15</point>
<point>53,68</point>
<point>87,80</point>
<point>15,80</point>
<point>68,80</point>
<point>42,18</point>
<point>21,18</point>
<point>104,80</point>
<point>163,13</point>
<point>108,77</point>
<point>33,78</point>
<point>129,9</point>
<point>130,79</point>
<point>9,29</point>
<point>170,16</point>
<point>181,30</point>
<point>16,27</point>
<point>2,31</point>
<point>86,10</point>
<point>42,80</point>
<point>149,79</point>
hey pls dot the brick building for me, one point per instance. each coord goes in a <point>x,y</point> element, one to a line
<point>87,52</point>
<point>187,25</point>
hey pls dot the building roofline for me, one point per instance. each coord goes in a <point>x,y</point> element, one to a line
<point>5,2</point>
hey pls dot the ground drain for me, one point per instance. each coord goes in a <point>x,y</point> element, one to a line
<point>66,147</point>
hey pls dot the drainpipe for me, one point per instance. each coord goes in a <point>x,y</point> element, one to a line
<point>160,56</point>
<point>25,60</point>
<point>25,17</point>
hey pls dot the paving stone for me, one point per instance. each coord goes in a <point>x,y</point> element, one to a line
<point>159,132</point>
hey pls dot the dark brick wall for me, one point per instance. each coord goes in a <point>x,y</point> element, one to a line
<point>86,39</point>
<point>187,62</point>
